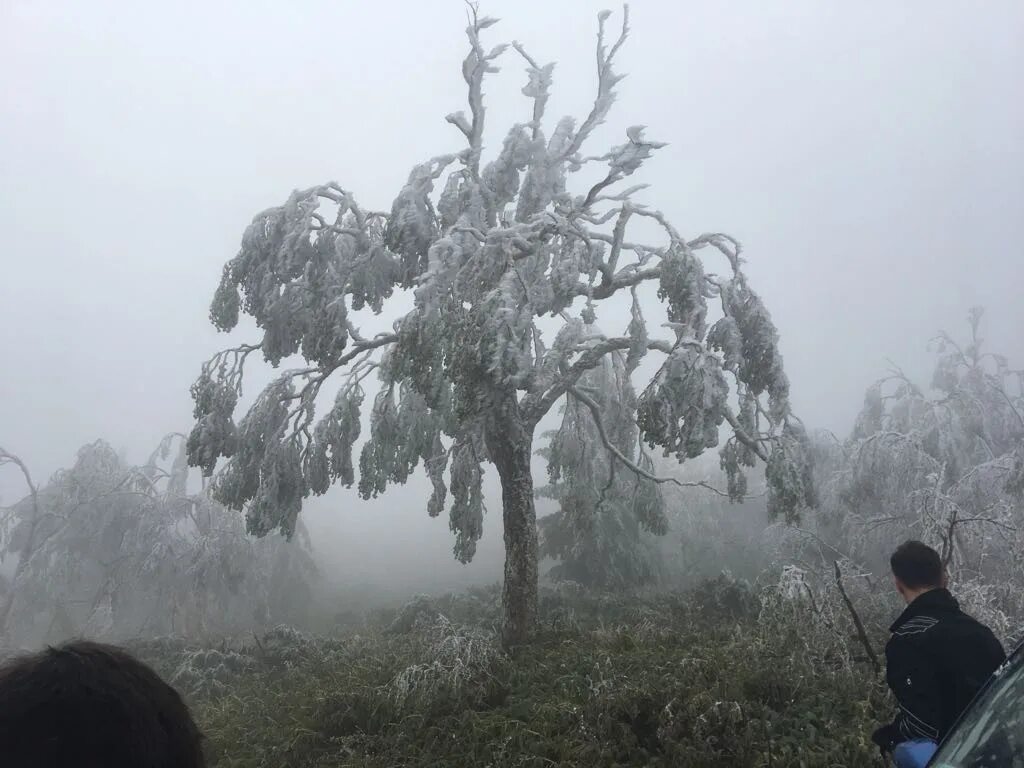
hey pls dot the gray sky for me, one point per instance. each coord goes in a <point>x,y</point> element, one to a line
<point>868,155</point>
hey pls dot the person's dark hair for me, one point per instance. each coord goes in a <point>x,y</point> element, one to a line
<point>917,565</point>
<point>88,705</point>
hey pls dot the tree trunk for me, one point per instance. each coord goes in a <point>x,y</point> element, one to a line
<point>510,445</point>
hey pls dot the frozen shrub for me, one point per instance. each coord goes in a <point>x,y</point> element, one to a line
<point>285,646</point>
<point>725,598</point>
<point>465,669</point>
<point>419,610</point>
<point>209,672</point>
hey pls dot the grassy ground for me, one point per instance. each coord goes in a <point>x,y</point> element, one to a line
<point>704,679</point>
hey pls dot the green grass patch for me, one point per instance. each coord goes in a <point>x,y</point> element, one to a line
<point>676,680</point>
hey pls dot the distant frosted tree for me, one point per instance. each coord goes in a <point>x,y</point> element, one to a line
<point>111,550</point>
<point>944,464</point>
<point>467,374</point>
<point>606,509</point>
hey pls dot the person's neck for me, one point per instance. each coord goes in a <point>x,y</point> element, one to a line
<point>912,594</point>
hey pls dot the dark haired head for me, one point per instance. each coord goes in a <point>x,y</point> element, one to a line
<point>90,705</point>
<point>917,566</point>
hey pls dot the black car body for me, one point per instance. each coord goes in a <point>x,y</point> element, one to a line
<point>991,731</point>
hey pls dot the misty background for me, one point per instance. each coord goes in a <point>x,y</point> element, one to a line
<point>868,156</point>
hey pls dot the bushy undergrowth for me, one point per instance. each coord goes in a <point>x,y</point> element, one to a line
<point>702,679</point>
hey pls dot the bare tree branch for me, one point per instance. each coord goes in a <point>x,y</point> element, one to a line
<point>862,635</point>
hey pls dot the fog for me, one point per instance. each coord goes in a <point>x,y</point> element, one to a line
<point>867,155</point>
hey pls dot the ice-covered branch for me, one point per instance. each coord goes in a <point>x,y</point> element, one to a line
<point>595,412</point>
<point>741,434</point>
<point>475,66</point>
<point>606,81</point>
<point>535,405</point>
<point>6,457</point>
<point>538,87</point>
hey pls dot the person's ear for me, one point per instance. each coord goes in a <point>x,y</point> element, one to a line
<point>900,586</point>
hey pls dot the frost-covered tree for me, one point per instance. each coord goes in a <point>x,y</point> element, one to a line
<point>943,463</point>
<point>117,550</point>
<point>468,373</point>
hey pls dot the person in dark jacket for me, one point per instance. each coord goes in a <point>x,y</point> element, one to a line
<point>937,658</point>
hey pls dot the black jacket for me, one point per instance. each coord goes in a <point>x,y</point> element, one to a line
<point>936,661</point>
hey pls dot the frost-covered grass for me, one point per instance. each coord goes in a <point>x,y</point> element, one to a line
<point>704,679</point>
